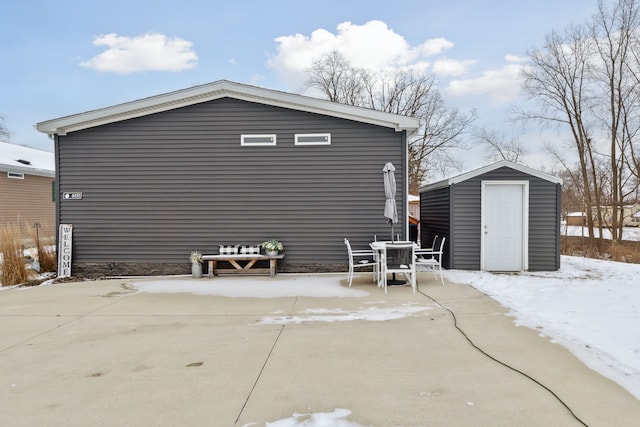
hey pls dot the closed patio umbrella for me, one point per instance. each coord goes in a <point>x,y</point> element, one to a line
<point>390,209</point>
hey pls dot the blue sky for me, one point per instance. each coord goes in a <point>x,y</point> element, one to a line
<point>62,57</point>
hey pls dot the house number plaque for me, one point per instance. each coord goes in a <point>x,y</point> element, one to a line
<point>73,195</point>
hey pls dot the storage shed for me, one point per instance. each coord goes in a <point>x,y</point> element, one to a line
<point>501,217</point>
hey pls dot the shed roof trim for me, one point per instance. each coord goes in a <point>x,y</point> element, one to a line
<point>488,168</point>
<point>222,89</point>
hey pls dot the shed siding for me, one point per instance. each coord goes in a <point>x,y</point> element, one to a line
<point>156,187</point>
<point>466,208</point>
<point>435,218</point>
<point>544,225</point>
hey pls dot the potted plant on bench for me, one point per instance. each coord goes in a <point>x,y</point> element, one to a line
<point>272,247</point>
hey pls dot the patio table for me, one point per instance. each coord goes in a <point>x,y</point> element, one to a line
<point>377,247</point>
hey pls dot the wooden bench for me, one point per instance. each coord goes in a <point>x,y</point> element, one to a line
<point>236,259</point>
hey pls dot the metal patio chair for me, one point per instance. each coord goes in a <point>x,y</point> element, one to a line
<point>361,259</point>
<point>398,258</point>
<point>433,259</point>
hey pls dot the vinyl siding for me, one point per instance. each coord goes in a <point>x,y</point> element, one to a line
<point>466,207</point>
<point>26,202</point>
<point>544,225</point>
<point>435,219</point>
<point>156,187</point>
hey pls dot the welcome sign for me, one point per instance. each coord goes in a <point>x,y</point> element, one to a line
<point>64,250</point>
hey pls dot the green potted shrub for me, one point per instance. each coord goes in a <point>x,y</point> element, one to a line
<point>272,247</point>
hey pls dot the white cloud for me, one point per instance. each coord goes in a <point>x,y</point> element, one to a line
<point>373,46</point>
<point>148,52</point>
<point>435,46</point>
<point>501,85</point>
<point>376,47</point>
<point>451,67</point>
<point>514,58</point>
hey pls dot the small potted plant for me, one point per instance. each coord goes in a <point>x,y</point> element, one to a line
<point>196,264</point>
<point>272,247</point>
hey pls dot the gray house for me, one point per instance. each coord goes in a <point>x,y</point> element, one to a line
<point>501,217</point>
<point>224,163</point>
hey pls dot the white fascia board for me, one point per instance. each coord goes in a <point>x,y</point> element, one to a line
<point>488,168</point>
<point>505,163</point>
<point>221,89</point>
<point>27,170</point>
<point>434,185</point>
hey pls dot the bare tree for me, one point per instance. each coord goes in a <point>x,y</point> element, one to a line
<point>440,136</point>
<point>4,132</point>
<point>499,146</point>
<point>558,82</point>
<point>613,33</point>
<point>400,92</point>
<point>337,79</point>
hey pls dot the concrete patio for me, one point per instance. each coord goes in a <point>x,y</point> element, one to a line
<point>102,353</point>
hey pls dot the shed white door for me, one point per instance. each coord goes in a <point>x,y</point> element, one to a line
<point>504,226</point>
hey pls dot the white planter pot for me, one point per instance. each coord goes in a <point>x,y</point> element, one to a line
<point>271,253</point>
<point>196,271</point>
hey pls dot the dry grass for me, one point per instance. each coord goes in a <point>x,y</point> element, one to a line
<point>46,254</point>
<point>13,270</point>
<point>624,250</point>
<point>48,259</point>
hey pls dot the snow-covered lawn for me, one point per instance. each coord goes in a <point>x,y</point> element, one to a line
<point>628,233</point>
<point>591,307</point>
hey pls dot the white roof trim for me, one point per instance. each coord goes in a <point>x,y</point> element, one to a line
<point>488,168</point>
<point>27,160</point>
<point>222,89</point>
<point>27,170</point>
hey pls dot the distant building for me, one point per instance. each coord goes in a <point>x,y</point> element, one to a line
<point>630,215</point>
<point>576,218</point>
<point>27,188</point>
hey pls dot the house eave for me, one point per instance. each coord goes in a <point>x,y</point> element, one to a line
<point>27,171</point>
<point>222,89</point>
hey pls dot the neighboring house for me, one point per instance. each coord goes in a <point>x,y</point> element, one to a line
<point>501,217</point>
<point>27,189</point>
<point>576,218</point>
<point>628,212</point>
<point>225,163</point>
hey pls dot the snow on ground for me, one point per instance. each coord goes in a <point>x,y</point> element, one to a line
<point>628,233</point>
<point>589,306</point>
<point>337,418</point>
<point>287,285</point>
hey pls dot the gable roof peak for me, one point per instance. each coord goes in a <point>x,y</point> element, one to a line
<point>488,168</point>
<point>221,89</point>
